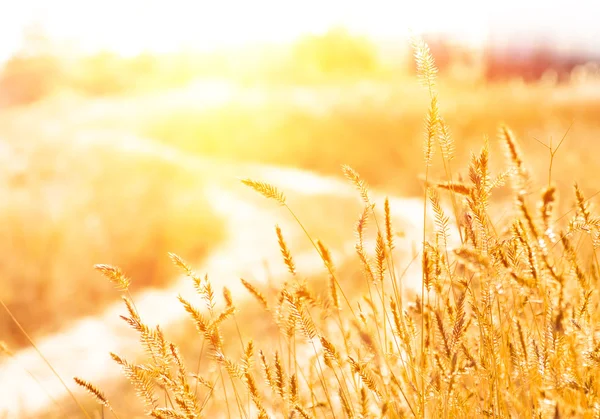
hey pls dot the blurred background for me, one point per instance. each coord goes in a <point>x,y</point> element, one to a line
<point>94,96</point>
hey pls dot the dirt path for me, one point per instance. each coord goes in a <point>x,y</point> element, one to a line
<point>83,348</point>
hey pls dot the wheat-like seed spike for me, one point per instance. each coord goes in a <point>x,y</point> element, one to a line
<point>253,390</point>
<point>530,251</point>
<point>114,275</point>
<point>353,176</point>
<point>166,413</point>
<point>227,297</point>
<point>131,309</point>
<point>384,409</point>
<point>446,140</point>
<point>186,398</point>
<point>459,329</point>
<point>265,189</point>
<point>426,68</point>
<point>519,171</point>
<point>361,224</point>
<point>365,375</point>
<point>179,262</point>
<point>201,323</point>
<point>203,381</point>
<point>279,376</point>
<point>459,188</point>
<point>266,370</point>
<point>161,347</point>
<point>94,391</point>
<point>307,324</point>
<point>206,291</point>
<point>366,338</point>
<point>255,292</point>
<point>361,315</point>
<point>293,389</point>
<point>247,360</point>
<point>380,256</point>
<point>364,403</point>
<point>431,130</point>
<point>330,354</point>
<point>442,331</point>
<point>389,234</point>
<point>546,204</point>
<point>474,259</point>
<point>302,317</point>
<point>302,412</point>
<point>442,222</point>
<point>141,379</point>
<point>233,369</point>
<point>583,308</point>
<point>177,357</point>
<point>479,173</point>
<point>290,325</point>
<point>325,256</point>
<point>366,263</point>
<point>582,205</point>
<point>147,336</point>
<point>527,216</point>
<point>215,339</point>
<point>396,317</point>
<point>428,264</point>
<point>508,137</point>
<point>572,257</point>
<point>303,293</point>
<point>224,315</point>
<point>285,251</point>
<point>333,294</point>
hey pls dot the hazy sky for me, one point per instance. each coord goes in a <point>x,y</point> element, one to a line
<point>129,26</point>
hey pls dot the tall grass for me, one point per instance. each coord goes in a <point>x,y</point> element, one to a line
<point>505,324</point>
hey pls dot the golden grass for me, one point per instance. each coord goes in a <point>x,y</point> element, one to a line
<point>504,326</point>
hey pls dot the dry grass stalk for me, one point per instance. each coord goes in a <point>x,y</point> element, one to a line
<point>265,189</point>
<point>256,293</point>
<point>285,252</point>
<point>95,392</point>
<point>353,176</point>
<point>114,275</point>
<point>389,232</point>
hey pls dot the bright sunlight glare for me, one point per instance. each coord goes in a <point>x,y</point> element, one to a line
<point>158,26</point>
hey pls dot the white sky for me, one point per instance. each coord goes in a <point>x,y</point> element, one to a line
<point>129,26</point>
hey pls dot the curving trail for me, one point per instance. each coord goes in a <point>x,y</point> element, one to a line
<point>82,349</point>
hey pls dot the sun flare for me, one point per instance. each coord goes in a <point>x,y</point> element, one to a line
<point>158,26</point>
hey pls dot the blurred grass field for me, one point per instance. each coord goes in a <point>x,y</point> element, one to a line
<point>66,207</point>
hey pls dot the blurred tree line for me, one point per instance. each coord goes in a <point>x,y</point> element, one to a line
<point>337,53</point>
<point>27,78</point>
<point>40,69</point>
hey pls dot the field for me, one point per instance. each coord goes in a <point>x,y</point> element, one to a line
<point>500,322</point>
